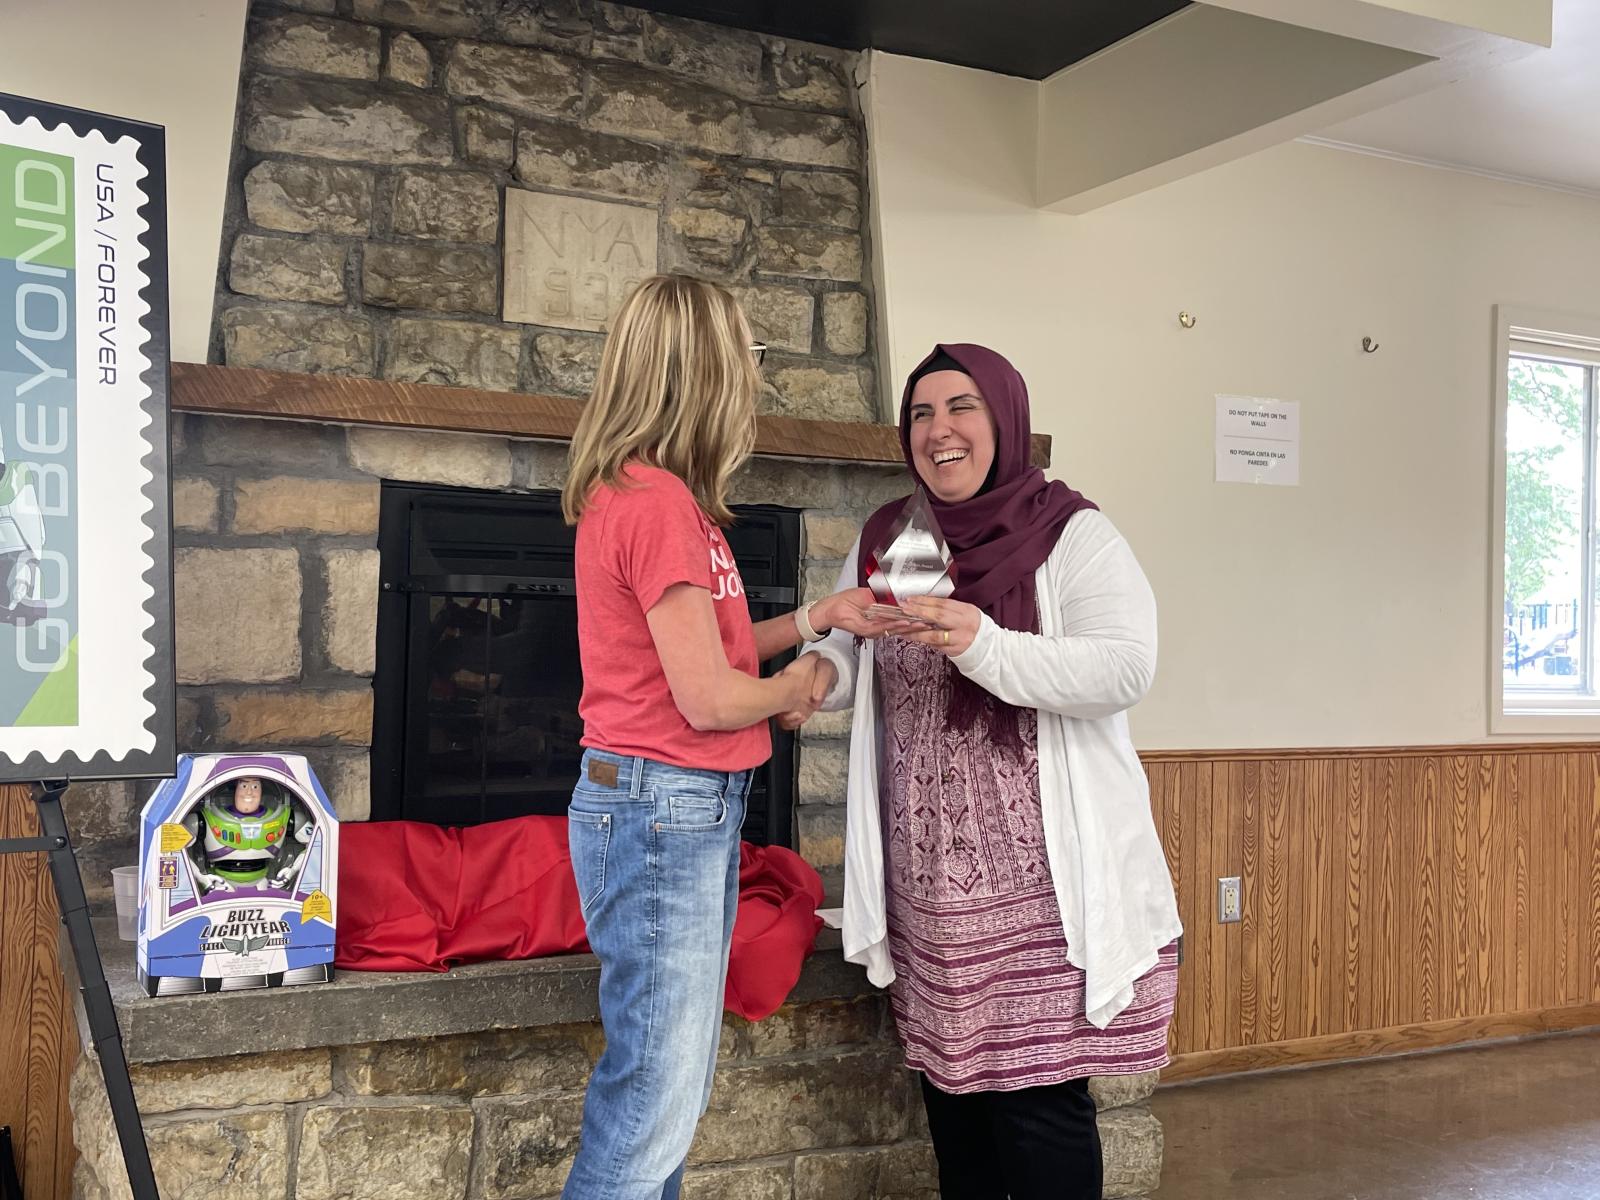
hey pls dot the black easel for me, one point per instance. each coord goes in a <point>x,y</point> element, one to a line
<point>56,842</point>
<point>10,1187</point>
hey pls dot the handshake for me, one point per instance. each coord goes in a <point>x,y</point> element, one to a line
<point>810,677</point>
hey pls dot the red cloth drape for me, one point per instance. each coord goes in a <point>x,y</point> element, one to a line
<point>418,897</point>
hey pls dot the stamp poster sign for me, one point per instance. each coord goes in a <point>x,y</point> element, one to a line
<point>86,661</point>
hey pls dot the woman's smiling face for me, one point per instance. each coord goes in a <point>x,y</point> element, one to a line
<point>952,435</point>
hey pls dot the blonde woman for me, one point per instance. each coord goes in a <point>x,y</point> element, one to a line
<point>675,715</point>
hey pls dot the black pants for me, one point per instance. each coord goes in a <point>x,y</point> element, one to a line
<point>1035,1144</point>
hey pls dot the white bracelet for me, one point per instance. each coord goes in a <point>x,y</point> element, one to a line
<point>802,622</point>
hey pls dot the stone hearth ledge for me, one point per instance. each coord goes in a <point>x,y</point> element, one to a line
<point>380,1006</point>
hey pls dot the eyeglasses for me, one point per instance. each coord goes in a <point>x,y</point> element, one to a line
<point>759,349</point>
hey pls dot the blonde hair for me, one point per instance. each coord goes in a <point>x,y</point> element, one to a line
<point>676,389</point>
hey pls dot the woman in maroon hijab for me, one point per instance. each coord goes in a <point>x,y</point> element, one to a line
<point>1003,876</point>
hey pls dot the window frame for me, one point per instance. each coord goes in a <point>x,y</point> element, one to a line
<point>1575,338</point>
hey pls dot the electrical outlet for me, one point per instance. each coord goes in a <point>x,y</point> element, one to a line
<point>1228,906</point>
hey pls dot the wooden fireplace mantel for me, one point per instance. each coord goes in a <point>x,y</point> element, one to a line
<point>249,392</point>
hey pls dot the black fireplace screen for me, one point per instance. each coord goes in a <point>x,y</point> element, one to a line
<point>478,676</point>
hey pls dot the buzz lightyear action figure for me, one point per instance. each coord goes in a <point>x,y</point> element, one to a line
<point>241,836</point>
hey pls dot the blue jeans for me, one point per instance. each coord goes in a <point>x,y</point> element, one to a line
<point>655,852</point>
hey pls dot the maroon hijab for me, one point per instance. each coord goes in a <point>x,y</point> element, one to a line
<point>1001,536</point>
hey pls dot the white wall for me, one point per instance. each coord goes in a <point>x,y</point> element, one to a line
<point>1353,609</point>
<point>170,62</point>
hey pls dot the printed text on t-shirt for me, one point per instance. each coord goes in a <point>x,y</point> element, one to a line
<point>725,575</point>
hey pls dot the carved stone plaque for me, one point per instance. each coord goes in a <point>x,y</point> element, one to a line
<point>570,262</point>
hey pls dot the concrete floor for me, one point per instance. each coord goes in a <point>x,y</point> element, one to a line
<point>1517,1121</point>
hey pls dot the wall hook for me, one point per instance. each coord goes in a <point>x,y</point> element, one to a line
<point>1186,319</point>
<point>1370,346</point>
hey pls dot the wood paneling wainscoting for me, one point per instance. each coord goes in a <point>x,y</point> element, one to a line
<point>38,1033</point>
<point>1393,899</point>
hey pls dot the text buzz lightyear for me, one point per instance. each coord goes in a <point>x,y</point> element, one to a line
<point>244,930</point>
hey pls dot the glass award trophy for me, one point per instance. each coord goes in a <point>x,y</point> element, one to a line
<point>913,561</point>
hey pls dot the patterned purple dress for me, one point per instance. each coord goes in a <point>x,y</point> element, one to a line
<point>984,997</point>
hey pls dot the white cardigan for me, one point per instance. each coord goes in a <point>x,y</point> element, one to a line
<point>1093,658</point>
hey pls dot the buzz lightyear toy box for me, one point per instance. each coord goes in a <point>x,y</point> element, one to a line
<point>238,876</point>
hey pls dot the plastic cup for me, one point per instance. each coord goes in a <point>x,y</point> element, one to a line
<point>125,886</point>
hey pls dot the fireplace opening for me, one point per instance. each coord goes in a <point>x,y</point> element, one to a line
<point>478,677</point>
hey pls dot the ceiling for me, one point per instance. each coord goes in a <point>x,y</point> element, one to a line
<point>1030,38</point>
<point>1535,119</point>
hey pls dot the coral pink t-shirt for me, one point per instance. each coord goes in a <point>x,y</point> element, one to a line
<point>634,543</point>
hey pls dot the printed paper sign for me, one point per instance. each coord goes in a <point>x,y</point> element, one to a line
<point>1258,441</point>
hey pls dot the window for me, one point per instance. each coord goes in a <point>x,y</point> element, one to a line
<point>1545,669</point>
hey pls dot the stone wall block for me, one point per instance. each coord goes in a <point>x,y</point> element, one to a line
<point>772,1108</point>
<point>789,483</point>
<point>527,1145</point>
<point>287,269</point>
<point>764,1182</point>
<point>453,459</point>
<point>293,717</point>
<point>779,316</point>
<point>299,448</point>
<point>823,771</point>
<point>308,197</point>
<point>558,1057</point>
<point>821,1026</point>
<point>409,62</point>
<point>292,340</point>
<point>195,505</point>
<point>844,323</point>
<point>251,1079</point>
<point>1121,1091</point>
<point>346,776</point>
<point>530,81</point>
<point>798,75</point>
<point>818,392</point>
<point>453,353</point>
<point>553,155</point>
<point>795,136</point>
<point>708,237</point>
<point>286,503</point>
<point>454,206</point>
<point>448,279</point>
<point>316,45</point>
<point>1132,1143</point>
<point>350,612</point>
<point>384,1152</point>
<point>566,362</point>
<point>345,121</point>
<point>486,136</point>
<point>452,18</point>
<point>822,834</point>
<point>639,103</point>
<point>238,615</point>
<point>809,253</point>
<point>551,24</point>
<point>830,537</point>
<point>821,198</point>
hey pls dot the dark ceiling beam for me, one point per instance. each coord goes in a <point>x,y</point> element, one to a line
<point>1028,38</point>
